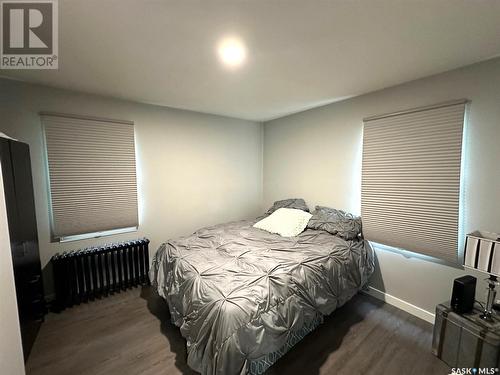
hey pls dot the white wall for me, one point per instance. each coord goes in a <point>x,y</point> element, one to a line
<point>193,169</point>
<point>316,155</point>
<point>11,351</point>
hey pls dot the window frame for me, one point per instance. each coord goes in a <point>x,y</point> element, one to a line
<point>88,235</point>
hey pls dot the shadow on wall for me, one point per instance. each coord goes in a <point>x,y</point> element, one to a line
<point>376,280</point>
<point>48,282</point>
<point>158,307</point>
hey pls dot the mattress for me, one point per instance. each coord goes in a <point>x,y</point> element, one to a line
<point>242,296</point>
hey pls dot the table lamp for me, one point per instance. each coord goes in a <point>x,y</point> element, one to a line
<point>482,253</point>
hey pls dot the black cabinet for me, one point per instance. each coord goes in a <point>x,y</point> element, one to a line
<point>19,197</point>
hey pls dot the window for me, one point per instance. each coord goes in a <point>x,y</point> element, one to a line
<point>410,187</point>
<point>92,175</point>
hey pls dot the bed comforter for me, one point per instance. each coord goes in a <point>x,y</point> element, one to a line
<point>237,292</point>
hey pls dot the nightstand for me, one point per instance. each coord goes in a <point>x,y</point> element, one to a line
<point>464,340</point>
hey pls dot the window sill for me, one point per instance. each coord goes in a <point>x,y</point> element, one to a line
<point>86,236</point>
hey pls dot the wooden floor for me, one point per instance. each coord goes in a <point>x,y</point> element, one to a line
<point>131,334</point>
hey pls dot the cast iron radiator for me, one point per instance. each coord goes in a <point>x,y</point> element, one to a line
<point>84,275</point>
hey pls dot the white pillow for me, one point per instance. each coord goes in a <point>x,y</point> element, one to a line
<point>287,222</point>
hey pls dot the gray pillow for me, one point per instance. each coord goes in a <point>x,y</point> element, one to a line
<point>296,203</point>
<point>336,222</point>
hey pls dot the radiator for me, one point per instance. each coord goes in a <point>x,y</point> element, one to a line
<point>84,275</point>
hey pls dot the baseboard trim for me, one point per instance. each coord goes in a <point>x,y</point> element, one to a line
<point>401,304</point>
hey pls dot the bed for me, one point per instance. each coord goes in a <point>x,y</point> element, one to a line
<point>243,297</point>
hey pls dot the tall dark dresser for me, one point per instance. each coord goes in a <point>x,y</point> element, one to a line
<point>19,198</point>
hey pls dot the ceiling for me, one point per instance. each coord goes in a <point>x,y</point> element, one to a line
<point>300,54</point>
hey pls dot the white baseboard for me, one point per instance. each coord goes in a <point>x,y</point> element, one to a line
<point>399,303</point>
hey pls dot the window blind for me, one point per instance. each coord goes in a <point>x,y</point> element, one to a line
<point>410,187</point>
<point>92,173</point>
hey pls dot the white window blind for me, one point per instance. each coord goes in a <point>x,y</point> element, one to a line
<point>92,172</point>
<point>410,186</point>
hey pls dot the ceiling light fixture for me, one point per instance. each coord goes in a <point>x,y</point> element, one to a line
<point>232,51</point>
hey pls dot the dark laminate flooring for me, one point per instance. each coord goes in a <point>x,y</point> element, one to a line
<point>130,334</point>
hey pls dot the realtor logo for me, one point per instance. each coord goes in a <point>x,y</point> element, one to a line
<point>29,35</point>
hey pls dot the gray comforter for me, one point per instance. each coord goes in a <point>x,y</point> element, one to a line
<point>237,293</point>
